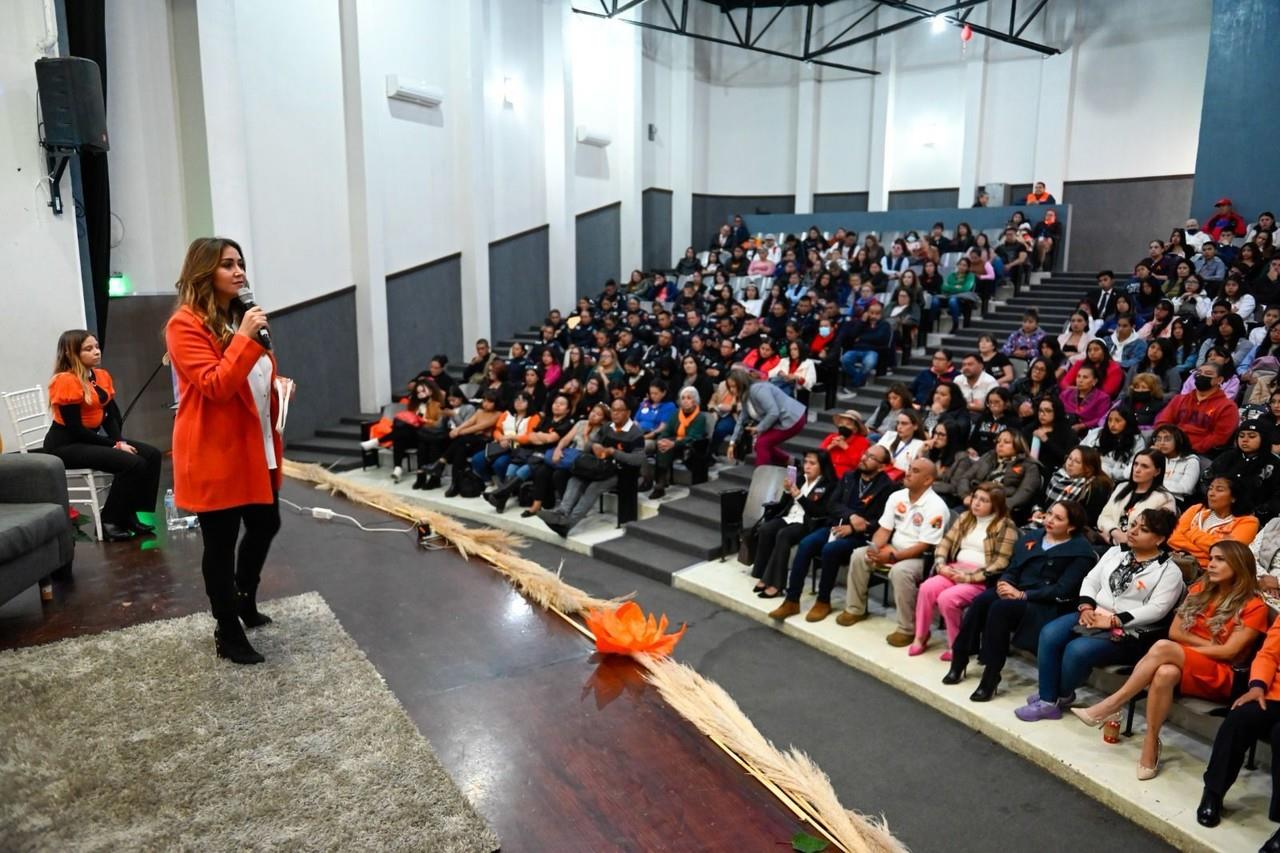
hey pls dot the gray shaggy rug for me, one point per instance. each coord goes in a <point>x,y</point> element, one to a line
<point>141,739</point>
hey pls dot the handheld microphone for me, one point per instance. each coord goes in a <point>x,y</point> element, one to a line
<point>245,298</point>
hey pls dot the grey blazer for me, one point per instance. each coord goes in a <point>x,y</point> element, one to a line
<point>768,407</point>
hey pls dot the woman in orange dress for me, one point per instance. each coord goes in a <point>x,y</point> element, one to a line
<point>86,433</point>
<point>1217,625</point>
<point>227,453</point>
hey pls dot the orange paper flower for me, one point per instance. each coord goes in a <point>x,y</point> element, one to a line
<point>627,630</point>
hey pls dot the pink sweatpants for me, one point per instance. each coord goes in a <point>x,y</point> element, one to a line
<point>951,599</point>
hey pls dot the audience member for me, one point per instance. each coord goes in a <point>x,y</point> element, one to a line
<point>1205,415</point>
<point>804,506</point>
<point>1143,490</point>
<point>774,417</point>
<point>848,443</point>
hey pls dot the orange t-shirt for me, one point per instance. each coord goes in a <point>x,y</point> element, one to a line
<point>65,389</point>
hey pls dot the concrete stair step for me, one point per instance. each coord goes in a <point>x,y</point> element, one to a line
<point>695,509</point>
<point>678,534</point>
<point>652,560</point>
<point>327,447</point>
<point>340,431</point>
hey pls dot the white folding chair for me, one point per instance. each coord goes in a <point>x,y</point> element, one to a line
<point>28,411</point>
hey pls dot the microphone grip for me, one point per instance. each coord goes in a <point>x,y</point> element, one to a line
<point>264,338</point>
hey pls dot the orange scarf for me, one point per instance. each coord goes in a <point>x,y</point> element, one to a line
<point>683,422</point>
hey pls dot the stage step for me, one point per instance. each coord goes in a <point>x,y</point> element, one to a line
<point>695,509</point>
<point>656,561</point>
<point>677,534</point>
<point>340,431</point>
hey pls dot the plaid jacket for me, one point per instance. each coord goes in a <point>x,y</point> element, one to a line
<point>997,548</point>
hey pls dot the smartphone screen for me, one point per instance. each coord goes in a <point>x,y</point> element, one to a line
<point>791,475</point>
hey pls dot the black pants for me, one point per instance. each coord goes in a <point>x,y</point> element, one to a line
<point>988,628</point>
<point>137,475</point>
<point>1242,727</point>
<point>773,550</point>
<point>432,447</point>
<point>548,481</point>
<point>424,441</point>
<point>227,571</point>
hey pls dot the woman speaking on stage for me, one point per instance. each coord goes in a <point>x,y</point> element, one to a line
<point>227,452</point>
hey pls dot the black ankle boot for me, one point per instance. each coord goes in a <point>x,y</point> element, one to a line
<point>986,687</point>
<point>455,483</point>
<point>499,496</point>
<point>955,675</point>
<point>249,614</point>
<point>1209,812</point>
<point>420,482</point>
<point>230,642</point>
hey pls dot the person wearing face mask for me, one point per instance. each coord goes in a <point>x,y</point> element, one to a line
<point>1254,468</point>
<point>1126,597</point>
<point>1206,415</point>
<point>848,443</point>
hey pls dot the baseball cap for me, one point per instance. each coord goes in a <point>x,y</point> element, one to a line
<point>1222,201</point>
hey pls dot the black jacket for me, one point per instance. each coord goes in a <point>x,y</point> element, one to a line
<point>853,496</point>
<point>816,505</point>
<point>1051,580</point>
<point>1257,477</point>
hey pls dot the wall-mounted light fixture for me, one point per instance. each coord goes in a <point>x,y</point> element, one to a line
<point>413,91</point>
<point>593,136</point>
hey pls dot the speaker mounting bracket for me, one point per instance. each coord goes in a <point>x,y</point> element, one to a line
<point>57,161</point>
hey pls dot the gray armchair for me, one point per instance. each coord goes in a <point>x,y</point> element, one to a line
<point>36,537</point>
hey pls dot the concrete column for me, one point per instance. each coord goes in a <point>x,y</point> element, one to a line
<point>683,139</point>
<point>806,139</point>
<point>559,139</point>
<point>629,142</point>
<point>468,47</point>
<point>229,200</point>
<point>880,165</point>
<point>361,100</point>
<point>1055,105</point>
<point>975,87</point>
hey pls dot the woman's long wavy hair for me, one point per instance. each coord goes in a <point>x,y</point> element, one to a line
<point>999,511</point>
<point>195,284</point>
<point>1229,600</point>
<point>68,358</point>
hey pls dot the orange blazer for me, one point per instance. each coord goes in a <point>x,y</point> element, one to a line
<point>65,389</point>
<point>218,458</point>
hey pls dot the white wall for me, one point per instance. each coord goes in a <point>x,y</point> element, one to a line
<point>1009,135</point>
<point>844,134</point>
<point>146,168</point>
<point>43,294</point>
<point>927,133</point>
<point>289,61</point>
<point>750,141</point>
<point>514,134</point>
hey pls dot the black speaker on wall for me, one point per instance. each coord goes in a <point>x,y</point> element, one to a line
<point>71,103</point>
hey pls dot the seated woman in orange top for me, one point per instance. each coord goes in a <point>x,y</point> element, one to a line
<point>1217,625</point>
<point>86,434</point>
<point>1213,521</point>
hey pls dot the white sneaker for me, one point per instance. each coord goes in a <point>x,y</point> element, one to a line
<point>396,473</point>
<point>371,444</point>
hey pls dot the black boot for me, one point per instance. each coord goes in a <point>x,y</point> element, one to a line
<point>230,642</point>
<point>455,483</point>
<point>661,480</point>
<point>499,496</point>
<point>420,482</point>
<point>247,604</point>
<point>434,473</point>
<point>1209,812</point>
<point>986,687</point>
<point>955,675</point>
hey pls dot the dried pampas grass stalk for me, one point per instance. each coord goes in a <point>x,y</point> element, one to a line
<point>496,547</point>
<point>705,704</point>
<point>791,775</point>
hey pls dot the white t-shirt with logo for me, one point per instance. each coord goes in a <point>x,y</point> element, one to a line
<point>912,523</point>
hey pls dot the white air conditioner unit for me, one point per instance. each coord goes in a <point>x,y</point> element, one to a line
<point>413,91</point>
<point>593,136</point>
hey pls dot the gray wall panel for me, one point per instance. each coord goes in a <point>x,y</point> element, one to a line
<point>424,316</point>
<point>655,215</point>
<point>839,202</point>
<point>922,199</point>
<point>131,354</point>
<point>597,248</point>
<point>1142,207</point>
<point>1235,119</point>
<point>315,345</point>
<point>712,211</point>
<point>519,282</point>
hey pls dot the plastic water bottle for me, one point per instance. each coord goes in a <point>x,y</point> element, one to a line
<point>172,521</point>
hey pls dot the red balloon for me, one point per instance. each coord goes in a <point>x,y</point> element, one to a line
<point>966,33</point>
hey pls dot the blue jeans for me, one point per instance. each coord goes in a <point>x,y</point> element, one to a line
<point>724,429</point>
<point>1066,658</point>
<point>953,308</point>
<point>859,364</point>
<point>834,556</point>
<point>498,465</point>
<point>784,386</point>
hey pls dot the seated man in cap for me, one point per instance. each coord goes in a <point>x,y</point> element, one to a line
<point>1224,218</point>
<point>913,522</point>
